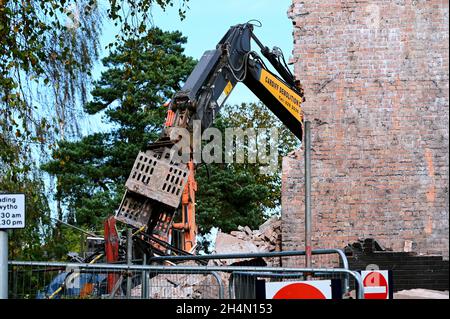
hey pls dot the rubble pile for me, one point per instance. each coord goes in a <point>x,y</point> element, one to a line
<point>267,238</point>
<point>181,286</point>
<point>421,294</point>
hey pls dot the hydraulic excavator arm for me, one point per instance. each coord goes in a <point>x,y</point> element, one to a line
<point>233,61</point>
<point>158,186</point>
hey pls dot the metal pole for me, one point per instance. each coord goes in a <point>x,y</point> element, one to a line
<point>129,259</point>
<point>3,264</point>
<point>220,283</point>
<point>145,279</point>
<point>74,227</point>
<point>170,269</point>
<point>286,253</point>
<point>307,149</point>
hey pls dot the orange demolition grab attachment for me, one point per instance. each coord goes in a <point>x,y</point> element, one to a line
<point>187,226</point>
<point>161,190</point>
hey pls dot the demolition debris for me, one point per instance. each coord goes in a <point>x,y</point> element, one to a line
<point>266,238</point>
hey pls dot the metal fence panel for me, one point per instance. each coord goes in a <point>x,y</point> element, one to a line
<point>52,280</point>
<point>72,281</point>
<point>244,285</point>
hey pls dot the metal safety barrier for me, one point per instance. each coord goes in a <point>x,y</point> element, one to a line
<point>57,280</point>
<point>343,262</point>
<point>242,285</point>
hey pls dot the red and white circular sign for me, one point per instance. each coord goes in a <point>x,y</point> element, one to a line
<point>376,284</point>
<point>314,289</point>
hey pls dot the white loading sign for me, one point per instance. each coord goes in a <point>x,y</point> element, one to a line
<point>12,211</point>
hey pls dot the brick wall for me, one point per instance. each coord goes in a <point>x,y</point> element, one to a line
<point>408,271</point>
<point>375,75</point>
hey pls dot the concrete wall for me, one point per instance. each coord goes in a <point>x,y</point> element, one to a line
<point>375,75</point>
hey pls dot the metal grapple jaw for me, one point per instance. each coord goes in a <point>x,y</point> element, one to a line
<point>153,192</point>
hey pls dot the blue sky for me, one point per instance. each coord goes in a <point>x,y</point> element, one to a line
<point>207,21</point>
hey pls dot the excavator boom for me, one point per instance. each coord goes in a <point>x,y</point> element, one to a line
<point>159,186</point>
<point>233,61</point>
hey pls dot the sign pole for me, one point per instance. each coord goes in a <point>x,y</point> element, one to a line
<point>3,264</point>
<point>12,216</point>
<point>129,259</point>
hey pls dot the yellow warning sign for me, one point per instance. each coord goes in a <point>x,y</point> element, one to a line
<point>288,98</point>
<point>225,93</point>
<point>228,88</point>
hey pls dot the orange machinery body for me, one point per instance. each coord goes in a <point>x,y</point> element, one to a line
<point>187,226</point>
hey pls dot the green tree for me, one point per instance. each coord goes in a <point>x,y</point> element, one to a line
<point>27,243</point>
<point>141,75</point>
<point>234,194</point>
<point>47,49</point>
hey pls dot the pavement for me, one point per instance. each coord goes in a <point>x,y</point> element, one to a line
<point>421,294</point>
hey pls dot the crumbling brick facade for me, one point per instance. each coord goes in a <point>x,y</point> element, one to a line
<point>375,74</point>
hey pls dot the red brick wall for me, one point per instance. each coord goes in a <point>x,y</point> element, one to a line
<point>376,80</point>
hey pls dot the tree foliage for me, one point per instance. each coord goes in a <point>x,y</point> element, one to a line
<point>28,243</point>
<point>47,51</point>
<point>238,193</point>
